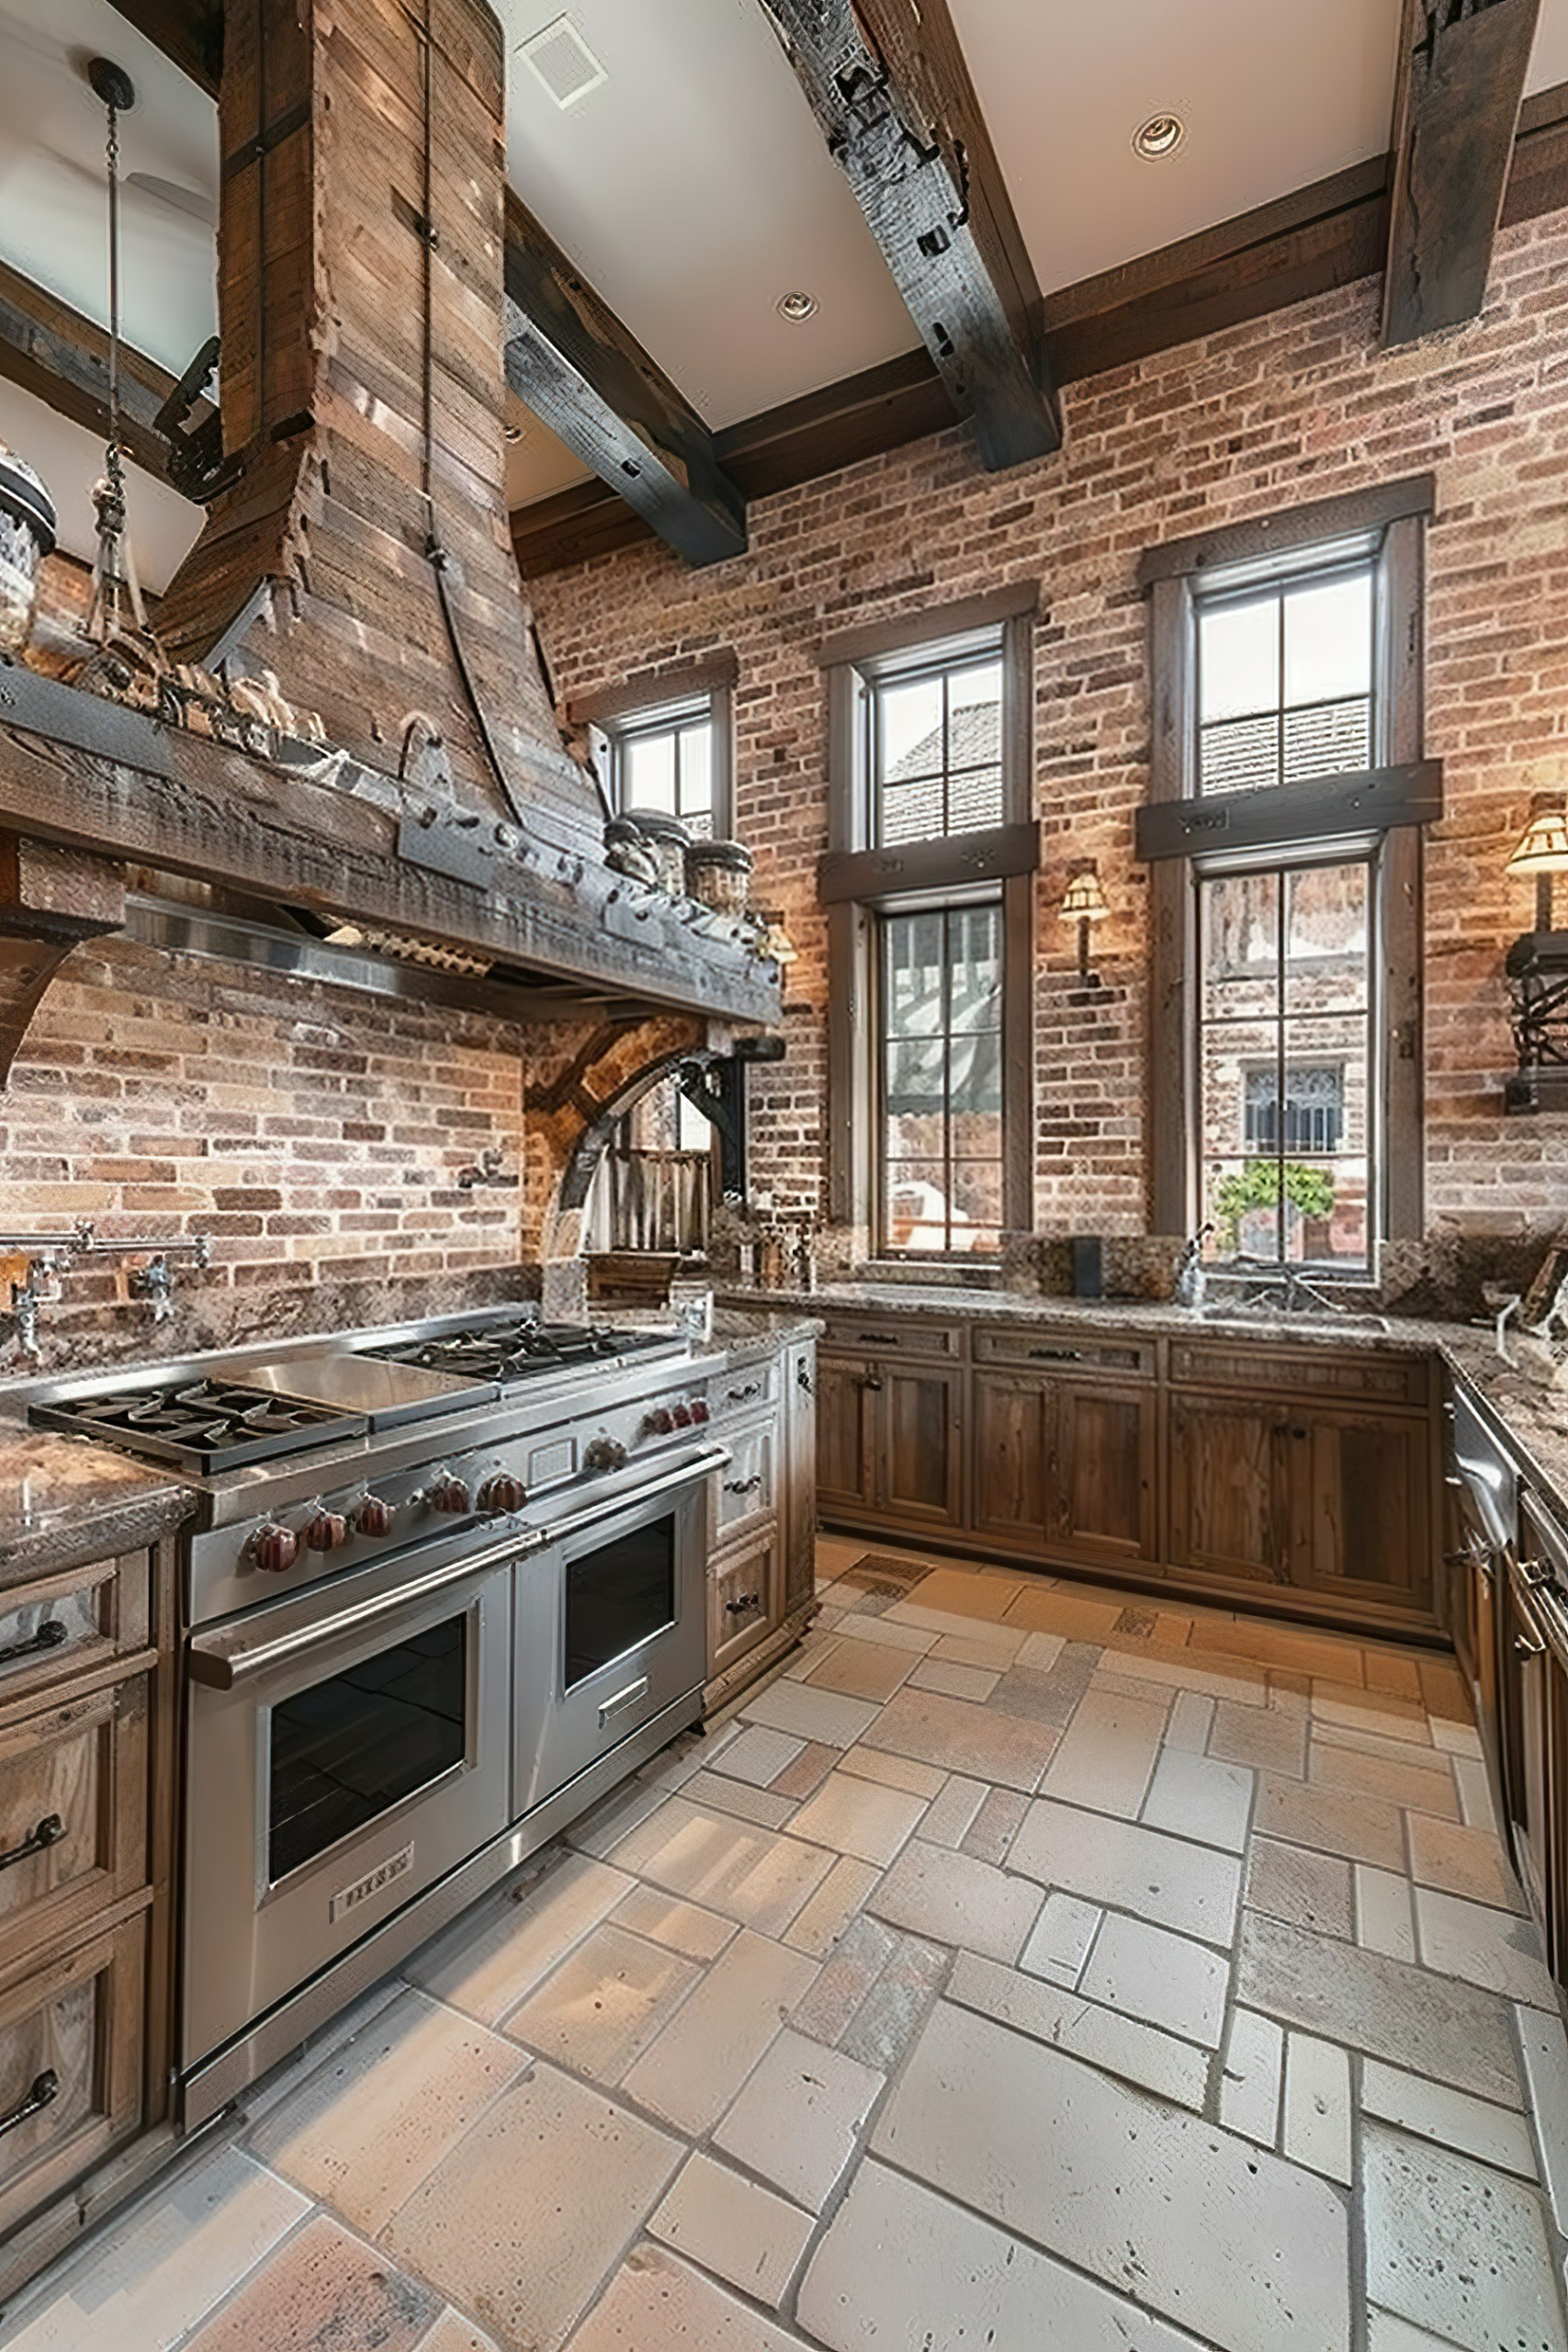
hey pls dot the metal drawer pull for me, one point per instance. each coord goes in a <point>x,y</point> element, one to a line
<point>49,1831</point>
<point>871,1380</point>
<point>741,1396</point>
<point>877,1339</point>
<point>44,2092</point>
<point>743,1485</point>
<point>742,1602</point>
<point>48,1637</point>
<point>1055,1355</point>
<point>623,1699</point>
<point>1525,1647</point>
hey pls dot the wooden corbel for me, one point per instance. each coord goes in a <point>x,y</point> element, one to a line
<point>50,901</point>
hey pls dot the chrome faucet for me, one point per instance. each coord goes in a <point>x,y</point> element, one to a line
<point>1187,1288</point>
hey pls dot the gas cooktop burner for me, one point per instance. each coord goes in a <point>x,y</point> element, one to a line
<point>204,1425</point>
<point>505,1352</point>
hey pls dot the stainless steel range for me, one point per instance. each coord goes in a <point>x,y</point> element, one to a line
<point>446,1586</point>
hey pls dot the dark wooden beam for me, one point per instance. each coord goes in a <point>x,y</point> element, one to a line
<point>1456,109</point>
<point>891,91</point>
<point>189,33</point>
<point>586,376</point>
<point>61,356</point>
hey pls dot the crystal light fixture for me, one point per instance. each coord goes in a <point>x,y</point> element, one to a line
<point>1085,904</point>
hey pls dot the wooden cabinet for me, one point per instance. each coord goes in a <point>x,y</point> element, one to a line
<point>1230,1490</point>
<point>1065,1465</point>
<point>72,1815</point>
<point>71,2066</point>
<point>890,1440</point>
<point>763,1529</point>
<point>845,1436</point>
<point>743,1602</point>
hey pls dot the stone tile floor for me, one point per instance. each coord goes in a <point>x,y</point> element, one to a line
<point>1022,1967</point>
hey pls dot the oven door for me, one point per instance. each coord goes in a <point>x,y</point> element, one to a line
<point>344,1750</point>
<point>612,1627</point>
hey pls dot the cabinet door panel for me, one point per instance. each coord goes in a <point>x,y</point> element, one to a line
<point>1103,1468</point>
<point>1011,1456</point>
<point>800,1495</point>
<point>843,1449</point>
<point>1229,1490</point>
<point>920,1448</point>
<point>742,1602</point>
<point>1369,1506</point>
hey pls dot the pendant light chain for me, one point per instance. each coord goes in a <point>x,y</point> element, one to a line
<point>114,569</point>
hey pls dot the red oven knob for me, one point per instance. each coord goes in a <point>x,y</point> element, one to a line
<point>659,1423</point>
<point>450,1493</point>
<point>605,1454</point>
<point>274,1548</point>
<point>699,1410</point>
<point>373,1517</point>
<point>327,1532</point>
<point>681,1416</point>
<point>502,1493</point>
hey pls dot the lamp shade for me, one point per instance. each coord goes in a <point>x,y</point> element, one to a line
<point>1543,846</point>
<point>1085,900</point>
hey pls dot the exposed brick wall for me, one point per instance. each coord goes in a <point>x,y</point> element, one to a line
<point>316,1134</point>
<point>1289,408</point>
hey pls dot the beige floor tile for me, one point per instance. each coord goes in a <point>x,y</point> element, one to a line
<point>1193,1889</point>
<point>749,1874</point>
<point>798,2118</point>
<point>1040,1652</point>
<point>1496,1949</point>
<point>1266,1738</point>
<point>654,2303</point>
<point>379,2116</point>
<point>1059,1942</point>
<point>1059,1609</point>
<point>1166,1980</point>
<point>960,1737</point>
<point>953,1899</point>
<point>819,1923</point>
<point>604,2004</point>
<point>866,1947</point>
<point>1443,1689</point>
<point>808,1771</point>
<point>1385,1922</point>
<point>1116,2171</point>
<point>1267,1643</point>
<point>1108,2038</point>
<point>1107,1754</point>
<point>528,2213</point>
<point>809,1713</point>
<point>1495,2135</point>
<point>1474,1785</point>
<point>992,1647</point>
<point>758,1754</point>
<point>895,2007</point>
<point>715,2039</point>
<point>1422,1788</point>
<point>1197,1797</point>
<point>990,1837</point>
<point>684,1927</point>
<point>453,2333</point>
<point>1456,2247</point>
<point>925,1780</point>
<point>1212,1676</point>
<point>323,2287</point>
<point>1544,2047</point>
<point>1381,1712</point>
<point>763,1806</point>
<point>1396,1671</point>
<point>486,1969</point>
<point>1470,1862</point>
<point>956,1593</point>
<point>1251,2076</point>
<point>953,1812</point>
<point>1362,1829</point>
<point>889,1633</point>
<point>1191,1722</point>
<point>862,1670</point>
<point>157,2271</point>
<point>1430,2025</point>
<point>1455,1740</point>
<point>1386,2332</point>
<point>737,2228</point>
<point>860,1818</point>
<point>976,1682</point>
<point>1292,1883</point>
<point>616,1815</point>
<point>902,2268</point>
<point>1317,2128</point>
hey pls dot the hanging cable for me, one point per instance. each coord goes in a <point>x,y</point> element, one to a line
<point>114,565</point>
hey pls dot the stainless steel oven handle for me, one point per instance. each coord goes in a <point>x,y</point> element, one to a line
<point>221,1660</point>
<point>685,1473</point>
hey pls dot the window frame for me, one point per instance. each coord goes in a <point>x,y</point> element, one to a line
<point>858,881</point>
<point>638,706</point>
<point>1275,826</point>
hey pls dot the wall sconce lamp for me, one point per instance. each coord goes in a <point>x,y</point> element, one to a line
<point>1085,904</point>
<point>1537,967</point>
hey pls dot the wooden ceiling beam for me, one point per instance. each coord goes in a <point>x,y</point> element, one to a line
<point>891,92</point>
<point>584,373</point>
<point>62,357</point>
<point>1456,109</point>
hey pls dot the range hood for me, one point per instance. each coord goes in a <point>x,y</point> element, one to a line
<point>356,562</point>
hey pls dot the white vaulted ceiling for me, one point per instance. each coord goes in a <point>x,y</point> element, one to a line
<point>691,184</point>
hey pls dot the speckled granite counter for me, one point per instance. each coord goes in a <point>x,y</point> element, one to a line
<point>63,1501</point>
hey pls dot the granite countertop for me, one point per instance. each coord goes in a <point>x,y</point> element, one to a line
<point>64,1502</point>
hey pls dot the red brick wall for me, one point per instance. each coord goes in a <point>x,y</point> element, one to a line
<point>1289,408</point>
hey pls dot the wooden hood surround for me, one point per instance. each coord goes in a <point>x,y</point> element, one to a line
<point>358,549</point>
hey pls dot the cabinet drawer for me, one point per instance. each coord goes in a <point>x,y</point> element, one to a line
<point>751,1390</point>
<point>61,1625</point>
<point>742,1601</point>
<point>71,2040</point>
<point>72,1815</point>
<point>1301,1372</point>
<point>746,1488</point>
<point>1064,1353</point>
<point>892,1335</point>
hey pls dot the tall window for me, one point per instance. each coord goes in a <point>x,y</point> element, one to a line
<point>929,888</point>
<point>1283,830</point>
<point>664,759</point>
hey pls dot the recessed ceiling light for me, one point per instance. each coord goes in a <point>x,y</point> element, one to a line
<point>796,306</point>
<point>563,62</point>
<point>1160,137</point>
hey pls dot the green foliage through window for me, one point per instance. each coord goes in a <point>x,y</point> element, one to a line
<point>1257,1186</point>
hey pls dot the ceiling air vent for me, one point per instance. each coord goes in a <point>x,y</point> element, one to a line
<point>563,62</point>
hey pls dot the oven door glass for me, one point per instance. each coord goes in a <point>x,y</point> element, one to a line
<point>617,1595</point>
<point>347,1748</point>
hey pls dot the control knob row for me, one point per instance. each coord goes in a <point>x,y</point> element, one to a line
<point>275,1547</point>
<point>686,1415</point>
<point>502,1493</point>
